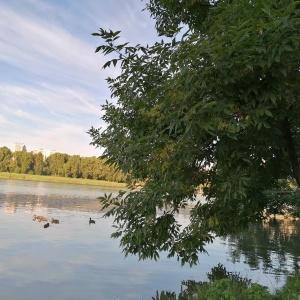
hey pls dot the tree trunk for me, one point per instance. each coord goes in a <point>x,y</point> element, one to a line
<point>289,143</point>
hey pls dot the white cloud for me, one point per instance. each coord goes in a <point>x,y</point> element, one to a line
<point>3,120</point>
<point>22,114</point>
<point>54,99</point>
<point>63,138</point>
<point>41,47</point>
<point>51,82</point>
<point>49,117</point>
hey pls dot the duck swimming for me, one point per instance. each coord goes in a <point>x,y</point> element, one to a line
<point>39,218</point>
<point>54,221</point>
<point>92,221</point>
<point>46,225</point>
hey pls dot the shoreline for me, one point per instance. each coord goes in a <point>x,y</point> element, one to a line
<point>56,179</point>
<point>91,204</point>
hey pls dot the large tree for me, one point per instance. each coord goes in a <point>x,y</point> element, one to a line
<point>214,103</point>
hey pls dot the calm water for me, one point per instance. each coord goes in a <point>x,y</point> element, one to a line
<point>75,260</point>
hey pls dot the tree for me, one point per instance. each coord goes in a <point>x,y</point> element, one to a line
<point>5,159</point>
<point>38,163</point>
<point>72,167</point>
<point>56,164</point>
<point>22,162</point>
<point>87,167</point>
<point>217,106</point>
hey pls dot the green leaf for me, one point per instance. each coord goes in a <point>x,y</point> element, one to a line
<point>106,65</point>
<point>273,98</point>
<point>268,113</point>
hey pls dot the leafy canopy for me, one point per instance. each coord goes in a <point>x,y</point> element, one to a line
<point>214,103</point>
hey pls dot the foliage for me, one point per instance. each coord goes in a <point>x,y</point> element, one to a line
<point>38,165</point>
<point>284,202</point>
<point>220,272</point>
<point>5,159</point>
<point>224,285</point>
<point>291,290</point>
<point>217,105</point>
<point>58,164</point>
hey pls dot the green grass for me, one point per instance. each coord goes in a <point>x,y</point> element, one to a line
<point>15,176</point>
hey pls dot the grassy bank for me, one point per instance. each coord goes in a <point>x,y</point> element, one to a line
<point>15,176</point>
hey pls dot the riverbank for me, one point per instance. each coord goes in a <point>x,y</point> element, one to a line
<point>15,176</point>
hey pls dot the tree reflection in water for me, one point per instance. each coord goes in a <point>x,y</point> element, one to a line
<point>273,247</point>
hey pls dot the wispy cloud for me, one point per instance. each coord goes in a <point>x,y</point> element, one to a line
<point>54,99</point>
<point>50,117</point>
<point>4,120</point>
<point>51,82</point>
<point>41,47</point>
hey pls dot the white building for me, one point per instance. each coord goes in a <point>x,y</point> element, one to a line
<point>45,153</point>
<point>20,147</point>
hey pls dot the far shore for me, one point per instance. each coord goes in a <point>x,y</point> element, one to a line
<point>56,179</point>
<point>94,204</point>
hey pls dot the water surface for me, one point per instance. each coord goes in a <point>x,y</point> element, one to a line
<point>75,260</point>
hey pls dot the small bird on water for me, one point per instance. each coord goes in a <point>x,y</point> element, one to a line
<point>54,221</point>
<point>39,218</point>
<point>46,225</point>
<point>92,221</point>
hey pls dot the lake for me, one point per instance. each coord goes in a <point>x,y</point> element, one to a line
<point>78,260</point>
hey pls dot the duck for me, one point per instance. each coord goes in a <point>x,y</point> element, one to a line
<point>46,225</point>
<point>54,221</point>
<point>92,221</point>
<point>39,218</point>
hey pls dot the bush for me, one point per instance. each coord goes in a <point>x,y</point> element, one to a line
<point>256,292</point>
<point>291,290</point>
<point>222,289</point>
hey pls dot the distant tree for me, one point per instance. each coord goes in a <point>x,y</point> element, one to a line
<point>5,159</point>
<point>87,166</point>
<point>217,105</point>
<point>72,167</point>
<point>100,170</point>
<point>22,162</point>
<point>56,164</point>
<point>38,163</point>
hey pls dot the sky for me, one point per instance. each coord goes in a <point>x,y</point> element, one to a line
<point>52,83</point>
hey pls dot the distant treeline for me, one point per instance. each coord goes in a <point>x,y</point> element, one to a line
<point>58,164</point>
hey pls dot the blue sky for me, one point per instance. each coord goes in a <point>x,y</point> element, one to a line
<point>51,82</point>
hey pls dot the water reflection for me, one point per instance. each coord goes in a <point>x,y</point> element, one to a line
<point>273,247</point>
<point>73,260</point>
<point>9,208</point>
<point>34,206</point>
